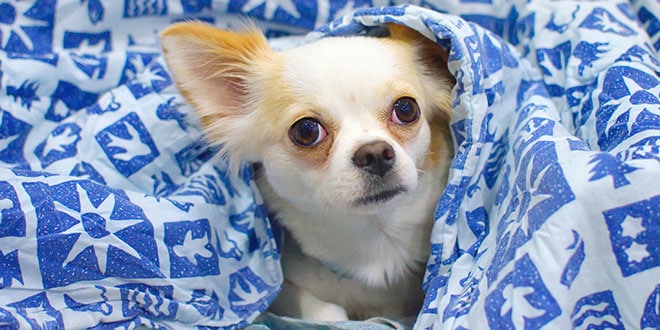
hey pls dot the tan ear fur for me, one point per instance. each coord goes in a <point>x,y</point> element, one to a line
<point>214,70</point>
<point>438,84</point>
<point>431,50</point>
<point>433,63</point>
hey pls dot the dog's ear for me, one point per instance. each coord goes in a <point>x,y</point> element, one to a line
<point>214,70</point>
<point>433,64</point>
<point>428,50</point>
<point>438,84</point>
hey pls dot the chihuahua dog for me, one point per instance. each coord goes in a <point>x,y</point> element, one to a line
<point>351,135</point>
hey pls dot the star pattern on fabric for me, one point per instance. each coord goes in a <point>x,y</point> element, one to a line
<point>13,22</point>
<point>271,6</point>
<point>96,229</point>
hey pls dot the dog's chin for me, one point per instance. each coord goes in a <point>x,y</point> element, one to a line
<point>380,197</point>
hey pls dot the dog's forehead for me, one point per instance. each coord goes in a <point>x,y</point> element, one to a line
<point>336,68</point>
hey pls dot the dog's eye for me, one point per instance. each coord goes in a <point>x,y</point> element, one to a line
<point>307,132</point>
<point>405,111</point>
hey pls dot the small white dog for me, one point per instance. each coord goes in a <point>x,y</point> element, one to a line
<point>353,137</point>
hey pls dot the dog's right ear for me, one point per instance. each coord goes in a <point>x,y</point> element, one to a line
<point>214,69</point>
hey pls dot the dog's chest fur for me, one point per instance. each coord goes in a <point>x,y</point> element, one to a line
<point>372,264</point>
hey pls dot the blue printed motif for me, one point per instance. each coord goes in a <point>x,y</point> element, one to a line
<point>634,229</point>
<point>641,53</point>
<point>87,171</point>
<point>164,185</point>
<point>602,20</point>
<point>128,144</point>
<point>651,317</point>
<point>247,292</point>
<point>102,307</point>
<point>142,75</point>
<point>89,232</point>
<point>153,301</point>
<point>623,88</point>
<point>648,148</point>
<point>61,143</point>
<point>292,12</point>
<point>652,24</point>
<point>38,312</point>
<point>108,103</point>
<point>574,264</point>
<point>7,319</point>
<point>87,51</point>
<point>461,304</point>
<point>12,224</point>
<point>494,24</point>
<point>195,6</point>
<point>479,225</point>
<point>10,269</point>
<point>243,222</point>
<point>597,311</point>
<point>608,165</point>
<point>552,62</point>
<point>66,99</point>
<point>588,53</point>
<point>522,29</point>
<point>95,11</point>
<point>170,111</point>
<point>26,92</point>
<point>190,249</point>
<point>207,305</point>
<point>557,56</point>
<point>227,247</point>
<point>539,190</point>
<point>13,133</point>
<point>26,27</point>
<point>205,187</point>
<point>193,156</point>
<point>137,8</point>
<point>12,218</point>
<point>562,24</point>
<point>521,299</point>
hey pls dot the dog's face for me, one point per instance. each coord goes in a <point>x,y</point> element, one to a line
<point>345,123</point>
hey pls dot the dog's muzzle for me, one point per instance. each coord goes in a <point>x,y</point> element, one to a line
<point>376,159</point>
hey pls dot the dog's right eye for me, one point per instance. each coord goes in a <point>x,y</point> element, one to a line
<point>307,132</point>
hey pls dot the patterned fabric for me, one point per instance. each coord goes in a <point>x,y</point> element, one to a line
<point>114,212</point>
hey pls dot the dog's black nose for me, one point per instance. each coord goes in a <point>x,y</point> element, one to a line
<point>375,157</point>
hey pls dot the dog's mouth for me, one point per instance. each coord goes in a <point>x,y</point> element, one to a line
<point>380,197</point>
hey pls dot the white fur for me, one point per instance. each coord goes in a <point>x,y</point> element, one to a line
<point>341,258</point>
<point>376,253</point>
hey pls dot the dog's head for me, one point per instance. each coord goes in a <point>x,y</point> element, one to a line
<point>345,123</point>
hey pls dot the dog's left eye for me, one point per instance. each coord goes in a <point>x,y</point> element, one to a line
<point>307,132</point>
<point>405,111</point>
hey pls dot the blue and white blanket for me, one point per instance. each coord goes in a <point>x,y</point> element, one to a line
<point>114,212</point>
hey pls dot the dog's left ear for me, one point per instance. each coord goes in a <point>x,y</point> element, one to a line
<point>437,83</point>
<point>429,52</point>
<point>432,59</point>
